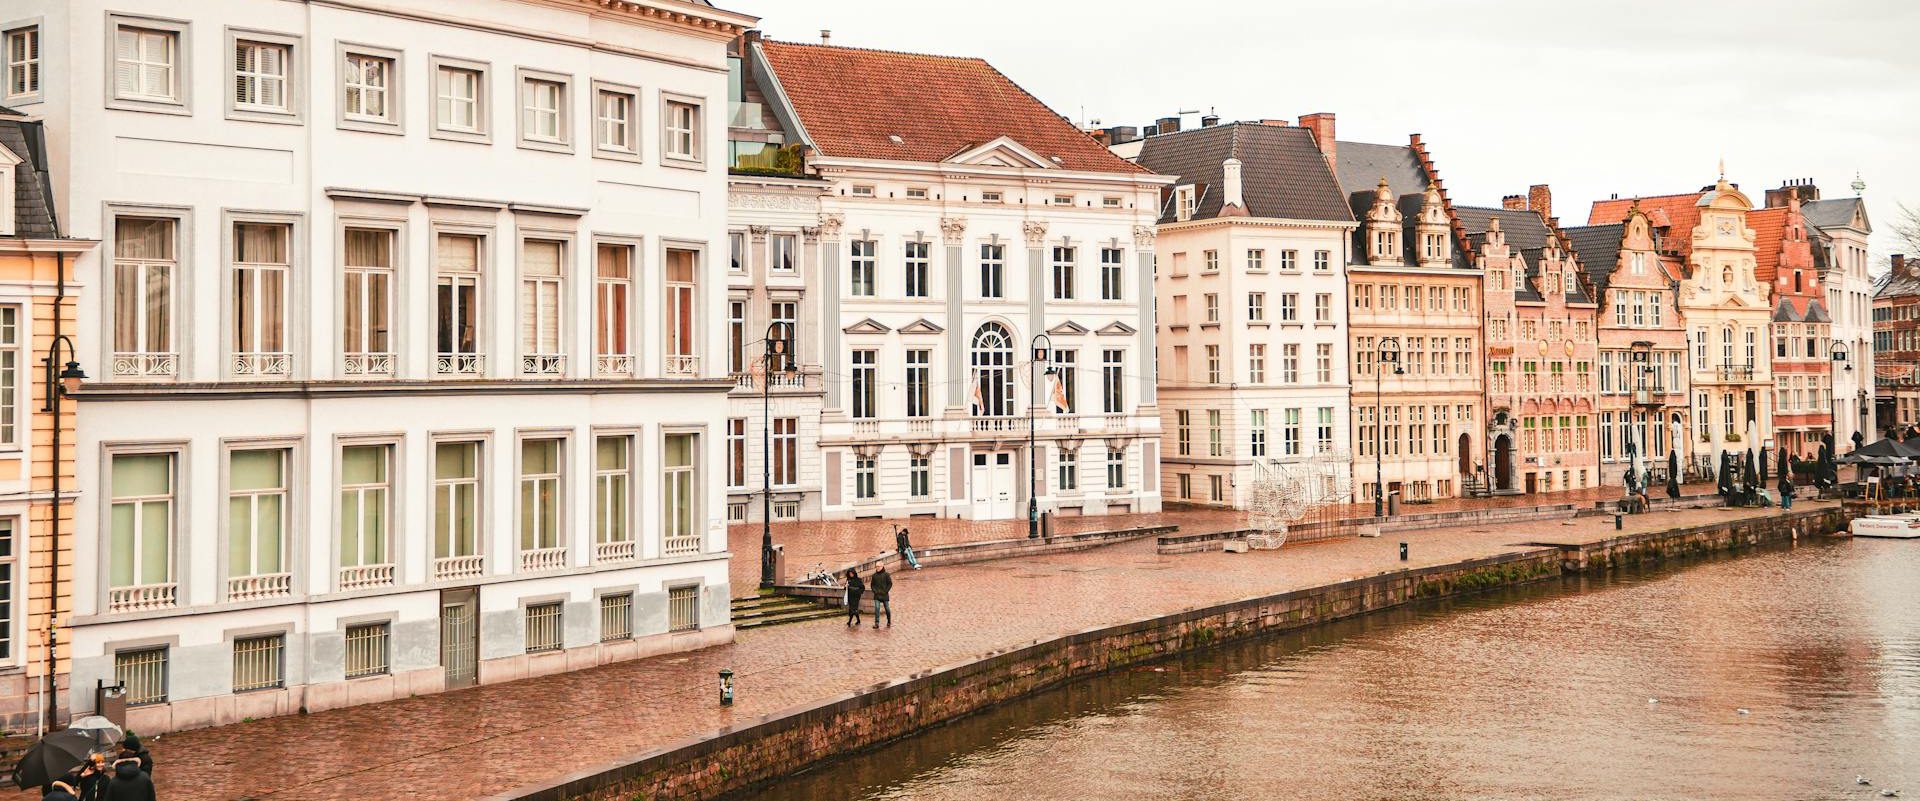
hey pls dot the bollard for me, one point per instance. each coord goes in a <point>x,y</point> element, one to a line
<point>1616,522</point>
<point>726,687</point>
<point>1403,551</point>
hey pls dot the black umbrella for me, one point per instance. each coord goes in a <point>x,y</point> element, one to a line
<point>52,757</point>
<point>1752,479</point>
<point>1786,462</point>
<point>1673,474</point>
<point>1763,465</point>
<point>1723,476</point>
<point>1857,439</point>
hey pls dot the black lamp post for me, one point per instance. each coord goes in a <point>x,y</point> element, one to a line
<point>1838,352</point>
<point>1389,354</point>
<point>1042,354</point>
<point>59,385</point>
<point>778,358</point>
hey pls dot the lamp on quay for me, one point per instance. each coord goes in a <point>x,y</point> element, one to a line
<point>1042,355</point>
<point>779,358</point>
<point>1389,354</point>
<point>59,386</point>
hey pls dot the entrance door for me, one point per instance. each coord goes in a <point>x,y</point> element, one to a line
<point>993,486</point>
<point>1466,454</point>
<point>1531,483</point>
<point>1503,462</point>
<point>460,636</point>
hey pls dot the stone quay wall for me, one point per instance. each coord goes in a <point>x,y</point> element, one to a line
<point>1654,546</point>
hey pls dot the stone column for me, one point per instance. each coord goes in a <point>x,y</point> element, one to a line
<point>759,303</point>
<point>953,232</point>
<point>812,306</point>
<point>830,362</point>
<point>1147,360</point>
<point>1035,232</point>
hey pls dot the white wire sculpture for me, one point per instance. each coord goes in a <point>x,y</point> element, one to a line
<point>1287,491</point>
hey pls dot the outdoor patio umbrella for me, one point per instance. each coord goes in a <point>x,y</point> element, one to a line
<point>1786,462</point>
<point>1857,439</point>
<point>1723,478</point>
<point>1673,474</point>
<point>1752,477</point>
<point>52,757</point>
<point>1764,464</point>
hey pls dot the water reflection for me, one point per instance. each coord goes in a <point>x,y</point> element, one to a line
<point>1625,687</point>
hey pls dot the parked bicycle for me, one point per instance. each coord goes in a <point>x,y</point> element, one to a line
<point>819,575</point>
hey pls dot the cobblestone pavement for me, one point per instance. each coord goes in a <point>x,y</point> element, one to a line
<point>485,740</point>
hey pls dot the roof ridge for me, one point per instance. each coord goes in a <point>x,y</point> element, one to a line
<point>819,46</point>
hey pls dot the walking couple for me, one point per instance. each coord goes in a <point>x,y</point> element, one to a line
<point>882,596</point>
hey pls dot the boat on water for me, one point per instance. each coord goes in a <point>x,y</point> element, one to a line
<point>1896,527</point>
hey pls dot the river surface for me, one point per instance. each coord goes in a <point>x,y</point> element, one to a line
<point>1627,687</point>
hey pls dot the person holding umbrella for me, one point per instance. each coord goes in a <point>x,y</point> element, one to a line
<point>53,758</point>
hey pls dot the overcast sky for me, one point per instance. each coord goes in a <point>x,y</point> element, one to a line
<point>1594,98</point>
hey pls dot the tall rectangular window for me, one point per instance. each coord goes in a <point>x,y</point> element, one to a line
<point>257,524</point>
<point>679,503</point>
<point>916,270</point>
<point>261,278</point>
<point>1323,362</point>
<point>1290,433</point>
<point>1066,365</point>
<point>612,310</point>
<point>542,293</point>
<point>456,508</point>
<point>260,76</point>
<point>1257,433</point>
<point>367,324</point>
<point>366,84</point>
<point>1064,268</point>
<point>1111,274</point>
<point>1256,307</point>
<point>683,323</point>
<point>737,337</point>
<point>993,268</point>
<point>786,451</point>
<point>1257,363</point>
<point>1213,364</point>
<point>9,582</point>
<point>861,256</point>
<point>10,395</point>
<point>540,465</point>
<point>1212,307</point>
<point>1216,434</point>
<point>613,497</point>
<point>783,252</point>
<point>866,478</point>
<point>1289,307</point>
<point>457,305</point>
<point>1112,378</point>
<point>866,385</point>
<point>23,61</point>
<point>1289,363</point>
<point>140,536</point>
<point>144,273</point>
<point>1323,307</point>
<point>613,121</point>
<point>683,130</point>
<point>920,476</point>
<point>919,382</point>
<point>146,64</point>
<point>366,506</point>
<point>1116,469</point>
<point>458,100</point>
<point>736,452</point>
<point>1183,431</point>
<point>1323,431</point>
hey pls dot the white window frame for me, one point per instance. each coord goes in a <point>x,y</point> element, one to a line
<point>478,313</point>
<point>13,582</point>
<point>561,493</point>
<point>391,488</point>
<point>293,298</point>
<point>364,363</point>
<point>16,377</point>
<point>695,475</point>
<point>629,439</point>
<point>534,360</point>
<point>669,130</point>
<point>293,88</point>
<point>291,479</point>
<point>483,465</point>
<point>180,74</point>
<point>177,520</point>
<point>625,146</point>
<point>690,361</point>
<point>526,82</point>
<point>439,127</point>
<point>148,363</point>
<point>626,361</point>
<point>394,120</point>
<point>30,66</point>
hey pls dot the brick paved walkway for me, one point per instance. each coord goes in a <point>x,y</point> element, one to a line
<point>471,743</point>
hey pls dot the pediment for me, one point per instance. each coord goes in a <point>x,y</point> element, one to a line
<point>1068,328</point>
<point>1117,329</point>
<point>867,326</point>
<point>921,326</point>
<point>1001,152</point>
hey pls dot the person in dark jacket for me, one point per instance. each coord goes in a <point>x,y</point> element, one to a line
<point>131,748</point>
<point>1786,485</point>
<point>855,589</point>
<point>905,546</point>
<point>130,783</point>
<point>89,781</point>
<point>882,589</point>
<point>59,791</point>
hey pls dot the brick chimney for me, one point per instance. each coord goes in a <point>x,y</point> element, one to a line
<point>1899,262</point>
<point>1804,187</point>
<point>1514,202</point>
<point>1540,200</point>
<point>1321,124</point>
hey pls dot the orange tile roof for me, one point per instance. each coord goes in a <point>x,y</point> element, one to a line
<point>1676,213</point>
<point>852,101</point>
<point>1769,226</point>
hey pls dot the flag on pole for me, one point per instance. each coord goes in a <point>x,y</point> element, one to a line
<point>979,403</point>
<point>1060,404</point>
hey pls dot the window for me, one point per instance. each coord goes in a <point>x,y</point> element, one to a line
<point>919,382</point>
<point>1069,470</point>
<point>1256,260</point>
<point>543,110</point>
<point>920,476</point>
<point>866,478</point>
<point>367,650</point>
<point>543,627</point>
<point>147,64</point>
<point>140,537</point>
<point>1322,261</point>
<point>1112,363</point>
<point>736,337</point>
<point>23,62</point>
<point>1323,432</point>
<point>1213,308</point>
<point>861,254</point>
<point>784,252</point>
<point>9,580</point>
<point>1290,433</point>
<point>866,389</point>
<point>260,77</point>
<point>143,673</point>
<point>1323,308</point>
<point>616,617</point>
<point>1063,270</point>
<point>456,509</point>
<point>736,451</point>
<point>1217,488</point>
<point>616,131</point>
<point>786,451</point>
<point>1185,201</point>
<point>613,496</point>
<point>683,608</point>
<point>612,298</point>
<point>1183,432</point>
<point>1109,202</point>
<point>679,503</point>
<point>993,271</point>
<point>1116,470</point>
<point>1323,362</point>
<point>259,663</point>
<point>10,395</point>
<point>1289,260</point>
<point>683,130</point>
<point>1256,307</point>
<point>457,305</point>
<point>1289,307</point>
<point>1186,485</point>
<point>1213,364</point>
<point>366,504</point>
<point>1257,433</point>
<point>1066,366</point>
<point>916,270</point>
<point>260,306</point>
<point>368,90</point>
<point>1210,261</point>
<point>542,290</point>
<point>916,193</point>
<point>540,503</point>
<point>1216,434</point>
<point>1062,200</point>
<point>992,358</point>
<point>460,100</point>
<point>367,324</point>
<point>683,333</point>
<point>1257,363</point>
<point>257,524</point>
<point>990,197</point>
<point>863,190</point>
<point>1289,364</point>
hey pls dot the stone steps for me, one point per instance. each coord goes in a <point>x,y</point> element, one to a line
<point>772,609</point>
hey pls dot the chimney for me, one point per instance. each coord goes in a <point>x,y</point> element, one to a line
<point>1777,198</point>
<point>1321,123</point>
<point>1899,262</point>
<point>1514,202</point>
<point>1210,120</point>
<point>1276,123</point>
<point>1540,200</point>
<point>1100,135</point>
<point>1230,192</point>
<point>826,36</point>
<point>1167,125</point>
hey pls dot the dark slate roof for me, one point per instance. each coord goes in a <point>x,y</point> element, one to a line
<point>1834,213</point>
<point>1524,229</point>
<point>1817,312</point>
<point>1598,248</point>
<point>1360,166</point>
<point>1282,173</point>
<point>1895,284</point>
<point>33,213</point>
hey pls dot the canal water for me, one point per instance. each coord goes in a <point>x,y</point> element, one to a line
<point>1624,687</point>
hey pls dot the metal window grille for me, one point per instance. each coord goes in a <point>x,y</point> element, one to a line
<point>143,673</point>
<point>616,617</point>
<point>543,627</point>
<point>8,559</point>
<point>259,662</point>
<point>683,608</point>
<point>367,650</point>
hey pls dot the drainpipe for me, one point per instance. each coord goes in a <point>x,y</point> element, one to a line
<point>50,708</point>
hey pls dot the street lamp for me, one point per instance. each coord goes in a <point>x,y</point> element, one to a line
<point>1042,354</point>
<point>1838,352</point>
<point>779,357</point>
<point>1389,354</point>
<point>59,386</point>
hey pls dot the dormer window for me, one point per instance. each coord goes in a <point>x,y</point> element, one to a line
<point>1567,281</point>
<point>1386,244</point>
<point>1185,200</point>
<point>1639,263</point>
<point>862,190</point>
<point>1435,246</point>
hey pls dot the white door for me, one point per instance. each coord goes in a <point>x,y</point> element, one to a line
<point>982,487</point>
<point>993,486</point>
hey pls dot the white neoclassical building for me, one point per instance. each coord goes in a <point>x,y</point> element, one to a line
<point>405,342</point>
<point>1842,232</point>
<point>948,239</point>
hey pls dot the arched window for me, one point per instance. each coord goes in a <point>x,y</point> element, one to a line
<point>992,371</point>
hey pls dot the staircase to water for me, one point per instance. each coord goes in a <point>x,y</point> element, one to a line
<point>772,609</point>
